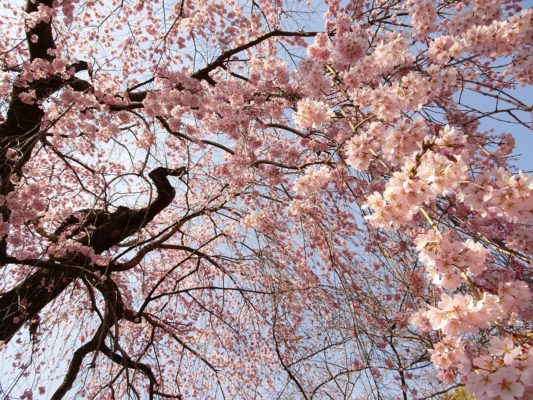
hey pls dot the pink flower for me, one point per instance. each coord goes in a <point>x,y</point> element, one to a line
<point>314,83</point>
<point>423,15</point>
<point>504,347</point>
<point>486,311</point>
<point>448,354</point>
<point>12,154</point>
<point>452,314</point>
<point>503,383</point>
<point>28,97</point>
<point>477,383</point>
<point>312,181</point>
<point>349,47</point>
<point>439,49</point>
<point>475,256</point>
<point>301,207</point>
<point>357,152</point>
<point>513,295</point>
<point>320,50</point>
<point>312,114</point>
<point>420,321</point>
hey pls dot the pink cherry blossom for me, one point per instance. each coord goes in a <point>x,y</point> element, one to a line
<point>312,114</point>
<point>312,181</point>
<point>275,199</point>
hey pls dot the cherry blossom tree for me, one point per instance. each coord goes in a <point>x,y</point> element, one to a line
<point>265,199</point>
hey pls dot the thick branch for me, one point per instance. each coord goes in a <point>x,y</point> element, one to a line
<point>224,57</point>
<point>25,301</point>
<point>126,222</point>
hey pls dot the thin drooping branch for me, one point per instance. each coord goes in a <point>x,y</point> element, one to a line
<point>156,324</point>
<point>287,369</point>
<point>128,362</point>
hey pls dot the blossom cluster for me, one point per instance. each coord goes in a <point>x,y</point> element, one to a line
<point>377,122</point>
<point>312,181</point>
<point>507,373</point>
<point>258,221</point>
<point>72,247</point>
<point>27,203</point>
<point>314,83</point>
<point>503,371</point>
<point>42,69</point>
<point>312,114</point>
<point>491,372</point>
<point>43,14</point>
<point>391,51</point>
<point>459,314</point>
<point>492,39</point>
<point>349,47</point>
<point>423,16</point>
<point>446,258</point>
<point>432,172</point>
<point>499,193</point>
